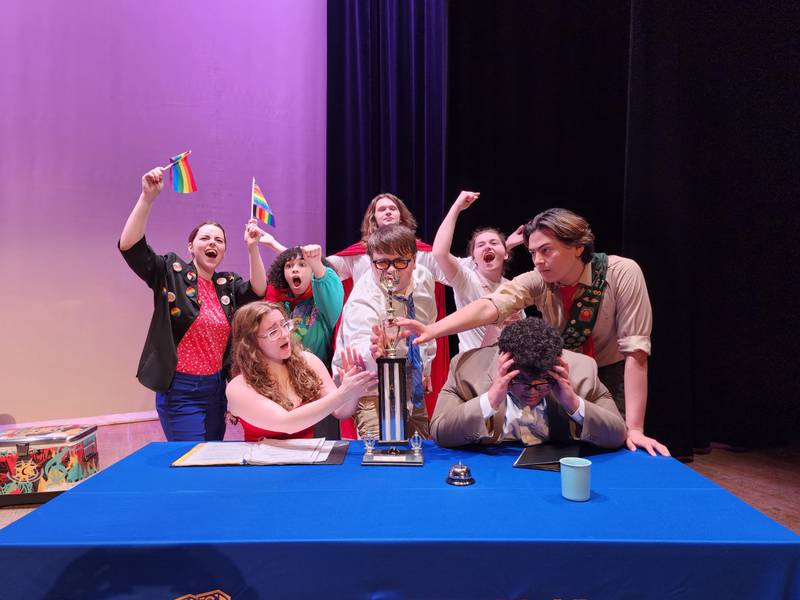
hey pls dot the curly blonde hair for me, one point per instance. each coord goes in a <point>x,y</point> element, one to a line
<point>369,224</point>
<point>249,361</point>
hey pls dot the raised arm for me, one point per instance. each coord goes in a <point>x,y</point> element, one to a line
<point>515,238</point>
<point>258,274</point>
<point>152,184</point>
<point>268,240</point>
<point>343,265</point>
<point>312,254</point>
<point>248,404</point>
<point>443,241</point>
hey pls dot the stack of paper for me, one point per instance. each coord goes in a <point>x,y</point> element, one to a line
<point>265,452</point>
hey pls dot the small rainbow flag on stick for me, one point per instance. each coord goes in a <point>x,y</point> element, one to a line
<point>181,173</point>
<point>261,209</point>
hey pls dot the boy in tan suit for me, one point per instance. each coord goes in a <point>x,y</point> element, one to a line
<point>526,388</point>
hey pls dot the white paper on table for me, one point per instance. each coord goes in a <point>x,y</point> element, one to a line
<point>288,452</point>
<point>265,452</point>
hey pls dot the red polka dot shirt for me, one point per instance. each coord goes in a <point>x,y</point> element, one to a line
<point>201,350</point>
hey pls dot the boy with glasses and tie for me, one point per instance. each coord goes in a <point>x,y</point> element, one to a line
<point>392,251</point>
<point>526,388</point>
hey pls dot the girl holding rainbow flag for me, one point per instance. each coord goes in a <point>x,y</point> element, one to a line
<point>187,352</point>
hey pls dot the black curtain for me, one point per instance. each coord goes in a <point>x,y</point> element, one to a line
<point>387,77</point>
<point>672,127</point>
<point>711,212</point>
<point>537,114</point>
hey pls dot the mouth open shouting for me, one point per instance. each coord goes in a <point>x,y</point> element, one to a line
<point>297,274</point>
<point>207,248</point>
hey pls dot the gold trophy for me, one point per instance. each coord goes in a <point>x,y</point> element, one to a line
<point>393,396</point>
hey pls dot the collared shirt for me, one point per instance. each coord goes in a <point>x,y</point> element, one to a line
<point>469,285</point>
<point>514,412</point>
<point>625,318</point>
<point>358,265</point>
<point>366,306</point>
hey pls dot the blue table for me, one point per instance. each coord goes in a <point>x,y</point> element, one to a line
<point>653,529</point>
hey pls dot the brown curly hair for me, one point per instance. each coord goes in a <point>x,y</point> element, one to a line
<point>369,225</point>
<point>249,361</point>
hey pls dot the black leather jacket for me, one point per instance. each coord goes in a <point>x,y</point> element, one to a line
<point>175,307</point>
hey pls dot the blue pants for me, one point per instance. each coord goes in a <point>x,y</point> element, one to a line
<point>193,408</point>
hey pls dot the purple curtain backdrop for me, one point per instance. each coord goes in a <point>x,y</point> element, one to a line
<point>93,95</point>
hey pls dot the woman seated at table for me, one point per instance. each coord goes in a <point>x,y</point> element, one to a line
<point>280,390</point>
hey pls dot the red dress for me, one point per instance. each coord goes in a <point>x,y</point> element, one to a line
<point>254,434</point>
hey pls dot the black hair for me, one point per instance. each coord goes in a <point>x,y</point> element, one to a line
<point>276,277</point>
<point>533,344</point>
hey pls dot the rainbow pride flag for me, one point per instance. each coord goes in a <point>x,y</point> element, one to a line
<point>261,209</point>
<point>181,174</point>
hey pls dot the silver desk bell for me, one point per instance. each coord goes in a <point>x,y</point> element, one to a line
<point>460,474</point>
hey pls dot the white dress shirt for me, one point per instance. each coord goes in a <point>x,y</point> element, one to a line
<point>366,306</point>
<point>514,412</point>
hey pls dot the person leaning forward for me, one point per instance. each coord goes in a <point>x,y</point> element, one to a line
<point>525,388</point>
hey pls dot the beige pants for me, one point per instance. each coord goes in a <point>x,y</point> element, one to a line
<point>366,419</point>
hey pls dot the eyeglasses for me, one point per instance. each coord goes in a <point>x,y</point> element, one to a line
<point>542,386</point>
<point>275,333</point>
<point>383,264</point>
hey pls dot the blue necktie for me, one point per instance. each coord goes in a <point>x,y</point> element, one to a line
<point>414,359</point>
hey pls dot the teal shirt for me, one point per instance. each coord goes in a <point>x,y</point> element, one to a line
<point>317,316</point>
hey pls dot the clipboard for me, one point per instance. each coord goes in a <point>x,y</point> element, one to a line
<point>545,457</point>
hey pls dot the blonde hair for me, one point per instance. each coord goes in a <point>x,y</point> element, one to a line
<point>248,359</point>
<point>369,225</point>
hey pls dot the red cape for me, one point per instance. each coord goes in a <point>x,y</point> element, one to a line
<point>440,365</point>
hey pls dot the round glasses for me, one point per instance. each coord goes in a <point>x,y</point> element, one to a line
<point>275,333</point>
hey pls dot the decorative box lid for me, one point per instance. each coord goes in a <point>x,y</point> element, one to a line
<point>47,434</point>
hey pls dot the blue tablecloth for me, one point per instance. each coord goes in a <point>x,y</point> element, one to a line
<point>652,529</point>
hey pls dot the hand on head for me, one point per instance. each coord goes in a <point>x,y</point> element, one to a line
<point>503,374</point>
<point>153,182</point>
<point>563,388</point>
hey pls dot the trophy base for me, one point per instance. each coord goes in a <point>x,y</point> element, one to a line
<point>393,457</point>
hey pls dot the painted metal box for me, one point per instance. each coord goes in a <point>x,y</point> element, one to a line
<point>37,463</point>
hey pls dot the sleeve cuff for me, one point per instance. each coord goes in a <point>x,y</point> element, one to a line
<point>486,407</point>
<point>632,343</point>
<point>579,414</point>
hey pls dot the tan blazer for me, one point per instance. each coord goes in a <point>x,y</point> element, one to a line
<point>458,419</point>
